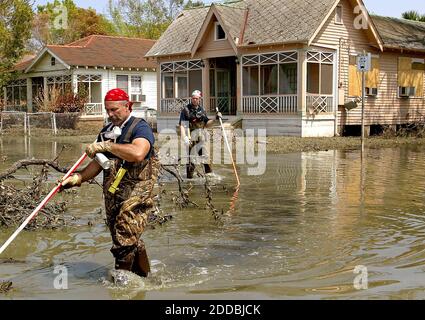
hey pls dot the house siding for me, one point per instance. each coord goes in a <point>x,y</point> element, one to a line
<point>44,64</point>
<point>209,47</point>
<point>386,107</point>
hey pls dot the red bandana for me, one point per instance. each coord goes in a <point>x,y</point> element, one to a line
<point>118,95</point>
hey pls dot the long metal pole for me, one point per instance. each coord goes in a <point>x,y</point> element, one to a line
<point>363,97</point>
<point>230,150</point>
<point>42,204</point>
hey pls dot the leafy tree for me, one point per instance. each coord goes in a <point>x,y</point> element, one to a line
<point>61,22</point>
<point>413,15</point>
<point>15,30</point>
<point>146,18</point>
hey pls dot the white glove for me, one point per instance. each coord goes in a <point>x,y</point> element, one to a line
<point>186,140</point>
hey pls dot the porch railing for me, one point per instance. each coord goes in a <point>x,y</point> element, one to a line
<point>226,105</point>
<point>317,103</point>
<point>270,104</point>
<point>93,109</point>
<point>173,105</point>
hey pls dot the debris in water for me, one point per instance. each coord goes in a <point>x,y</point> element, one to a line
<point>5,286</point>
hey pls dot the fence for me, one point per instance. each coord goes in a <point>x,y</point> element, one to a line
<point>15,120</point>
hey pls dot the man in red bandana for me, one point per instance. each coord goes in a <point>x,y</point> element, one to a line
<point>129,143</point>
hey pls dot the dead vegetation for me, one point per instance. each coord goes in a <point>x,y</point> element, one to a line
<point>16,204</point>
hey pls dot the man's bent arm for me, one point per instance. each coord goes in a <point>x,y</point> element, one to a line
<point>132,152</point>
<point>91,171</point>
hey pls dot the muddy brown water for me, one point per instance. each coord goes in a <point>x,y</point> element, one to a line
<point>296,232</point>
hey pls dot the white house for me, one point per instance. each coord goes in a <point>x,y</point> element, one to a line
<point>96,63</point>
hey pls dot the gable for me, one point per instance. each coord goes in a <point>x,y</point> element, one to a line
<point>43,64</point>
<point>210,46</point>
<point>351,30</point>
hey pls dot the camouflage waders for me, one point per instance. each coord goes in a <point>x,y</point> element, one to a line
<point>127,212</point>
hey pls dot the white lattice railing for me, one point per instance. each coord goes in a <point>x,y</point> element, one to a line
<point>93,109</point>
<point>226,105</point>
<point>270,104</point>
<point>173,105</point>
<point>319,104</point>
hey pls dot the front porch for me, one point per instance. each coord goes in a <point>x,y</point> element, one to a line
<point>279,89</point>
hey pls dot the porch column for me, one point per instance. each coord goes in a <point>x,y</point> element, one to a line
<point>45,92</point>
<point>239,86</point>
<point>206,85</point>
<point>4,95</point>
<point>74,82</point>
<point>29,95</point>
<point>158,88</point>
<point>302,81</point>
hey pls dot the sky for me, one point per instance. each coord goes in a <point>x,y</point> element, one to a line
<point>392,8</point>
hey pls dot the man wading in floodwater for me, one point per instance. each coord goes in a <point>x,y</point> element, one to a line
<point>129,143</point>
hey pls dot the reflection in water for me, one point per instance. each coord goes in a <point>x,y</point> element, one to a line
<point>298,231</point>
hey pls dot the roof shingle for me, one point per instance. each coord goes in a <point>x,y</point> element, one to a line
<point>268,22</point>
<point>105,51</point>
<point>400,33</point>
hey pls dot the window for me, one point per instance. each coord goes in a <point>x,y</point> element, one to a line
<point>195,80</point>
<point>250,81</point>
<point>411,77</point>
<point>355,78</point>
<point>136,91</point>
<point>219,32</point>
<point>90,85</point>
<point>319,78</point>
<point>180,78</point>
<point>168,86</point>
<point>122,82</point>
<point>269,79</point>
<point>53,61</point>
<point>181,86</point>
<point>16,93</point>
<point>288,78</point>
<point>136,84</point>
<point>338,15</point>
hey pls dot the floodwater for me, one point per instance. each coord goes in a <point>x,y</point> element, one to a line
<point>315,225</point>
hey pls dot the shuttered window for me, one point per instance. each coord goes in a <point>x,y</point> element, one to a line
<point>411,74</point>
<point>355,77</point>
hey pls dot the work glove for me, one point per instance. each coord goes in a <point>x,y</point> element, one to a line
<point>98,147</point>
<point>218,115</point>
<point>186,141</point>
<point>74,180</point>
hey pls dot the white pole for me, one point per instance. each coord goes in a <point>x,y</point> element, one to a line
<point>29,126</point>
<point>25,123</point>
<point>55,130</point>
<point>229,149</point>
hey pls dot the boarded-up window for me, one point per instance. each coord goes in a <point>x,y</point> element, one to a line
<point>355,77</point>
<point>411,74</point>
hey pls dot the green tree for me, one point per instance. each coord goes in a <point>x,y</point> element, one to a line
<point>15,30</point>
<point>61,22</point>
<point>413,15</point>
<point>146,18</point>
